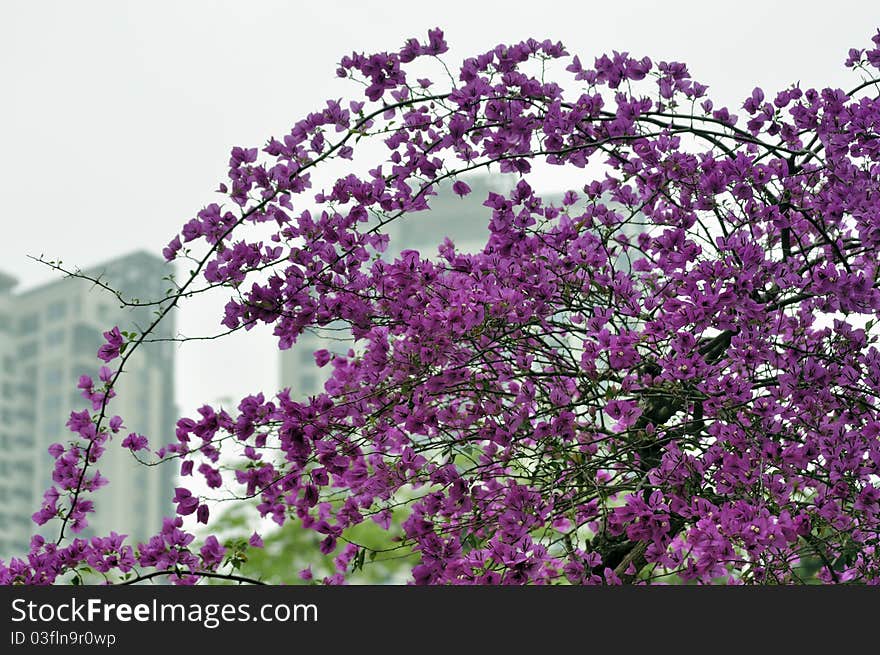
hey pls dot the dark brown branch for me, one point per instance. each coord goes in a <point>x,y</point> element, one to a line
<point>203,574</point>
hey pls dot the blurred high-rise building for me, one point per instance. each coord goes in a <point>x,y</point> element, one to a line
<point>49,336</point>
<point>464,220</point>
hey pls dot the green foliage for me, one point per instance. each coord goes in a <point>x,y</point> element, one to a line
<point>290,549</point>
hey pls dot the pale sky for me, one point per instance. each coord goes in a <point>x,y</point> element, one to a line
<point>117,117</point>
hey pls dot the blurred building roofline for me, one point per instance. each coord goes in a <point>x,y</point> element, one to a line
<point>7,282</point>
<point>139,254</point>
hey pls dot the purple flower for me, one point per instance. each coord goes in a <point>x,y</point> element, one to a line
<point>135,442</point>
<point>625,412</point>
<point>186,502</point>
<point>212,552</point>
<point>322,357</point>
<point>461,188</point>
<point>645,360</point>
<point>111,349</point>
<point>81,422</point>
<point>169,252</point>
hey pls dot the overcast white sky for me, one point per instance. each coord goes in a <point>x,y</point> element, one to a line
<point>117,118</point>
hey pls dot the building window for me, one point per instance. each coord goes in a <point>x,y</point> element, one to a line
<point>56,310</point>
<point>76,399</point>
<point>29,324</point>
<point>86,339</point>
<point>52,375</point>
<point>55,337</point>
<point>51,432</point>
<point>28,350</point>
<point>52,405</point>
<point>308,384</point>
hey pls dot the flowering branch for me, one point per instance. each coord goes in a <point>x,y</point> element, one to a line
<point>670,373</point>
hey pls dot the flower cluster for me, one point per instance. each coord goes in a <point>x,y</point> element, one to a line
<point>671,374</point>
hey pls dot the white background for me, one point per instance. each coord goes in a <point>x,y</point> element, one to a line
<point>116,118</point>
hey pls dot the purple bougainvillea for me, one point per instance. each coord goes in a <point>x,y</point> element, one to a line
<point>669,375</point>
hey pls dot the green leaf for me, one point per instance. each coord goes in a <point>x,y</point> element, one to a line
<point>358,563</point>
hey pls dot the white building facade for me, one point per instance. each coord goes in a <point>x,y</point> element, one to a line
<point>49,336</point>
